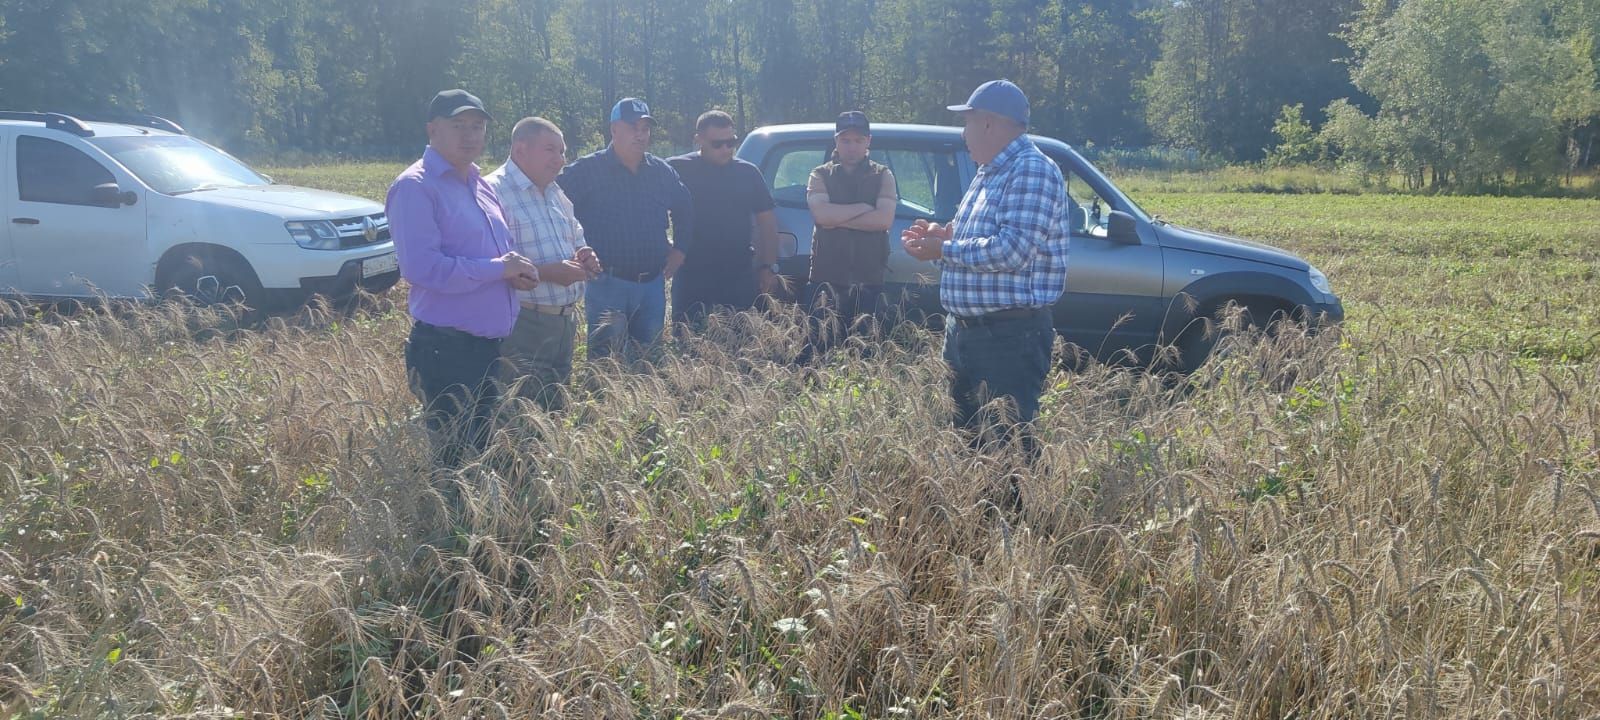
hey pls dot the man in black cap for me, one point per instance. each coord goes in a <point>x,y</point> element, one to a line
<point>622,196</point>
<point>852,201</point>
<point>455,250</point>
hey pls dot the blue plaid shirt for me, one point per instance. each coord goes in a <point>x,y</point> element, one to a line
<point>1009,247</point>
<point>624,214</point>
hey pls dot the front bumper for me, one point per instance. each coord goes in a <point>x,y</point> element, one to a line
<point>338,286</point>
<point>349,277</point>
<point>1326,314</point>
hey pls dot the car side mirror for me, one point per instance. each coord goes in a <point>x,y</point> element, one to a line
<point>110,195</point>
<point>1122,228</point>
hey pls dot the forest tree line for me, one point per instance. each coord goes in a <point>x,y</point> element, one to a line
<point>1442,93</point>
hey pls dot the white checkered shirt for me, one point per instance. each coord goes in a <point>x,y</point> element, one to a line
<point>1009,247</point>
<point>543,229</point>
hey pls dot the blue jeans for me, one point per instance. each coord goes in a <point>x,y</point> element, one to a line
<point>618,311</point>
<point>1006,358</point>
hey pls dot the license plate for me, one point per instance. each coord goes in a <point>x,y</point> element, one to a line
<point>379,265</point>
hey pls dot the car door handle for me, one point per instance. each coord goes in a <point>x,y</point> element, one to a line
<point>25,221</point>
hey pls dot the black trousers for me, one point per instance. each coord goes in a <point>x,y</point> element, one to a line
<point>457,376</point>
<point>835,313</point>
<point>698,290</point>
<point>1003,358</point>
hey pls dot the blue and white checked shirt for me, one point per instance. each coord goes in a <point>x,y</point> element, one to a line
<point>543,229</point>
<point>1010,243</point>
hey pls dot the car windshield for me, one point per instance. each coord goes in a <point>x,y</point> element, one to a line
<point>176,164</point>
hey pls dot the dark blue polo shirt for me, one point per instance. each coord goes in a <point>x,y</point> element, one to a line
<point>726,200</point>
<point>624,214</point>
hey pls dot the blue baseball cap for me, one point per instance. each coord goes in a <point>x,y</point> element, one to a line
<point>1001,97</point>
<point>630,110</point>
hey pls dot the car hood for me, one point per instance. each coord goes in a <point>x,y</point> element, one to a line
<point>288,201</point>
<point>1183,238</point>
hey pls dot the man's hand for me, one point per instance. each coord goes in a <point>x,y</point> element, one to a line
<point>767,280</point>
<point>925,241</point>
<point>519,271</point>
<point>590,261</point>
<point>565,272</point>
<point>675,260</point>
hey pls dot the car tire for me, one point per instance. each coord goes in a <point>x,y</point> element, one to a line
<point>210,277</point>
<point>1212,330</point>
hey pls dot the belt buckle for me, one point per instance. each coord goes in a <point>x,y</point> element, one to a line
<point>547,309</point>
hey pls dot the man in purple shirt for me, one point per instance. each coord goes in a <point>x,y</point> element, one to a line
<point>456,252</point>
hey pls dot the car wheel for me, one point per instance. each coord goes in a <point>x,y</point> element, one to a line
<point>208,277</point>
<point>1213,332</point>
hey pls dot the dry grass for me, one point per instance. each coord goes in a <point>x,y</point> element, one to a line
<point>244,525</point>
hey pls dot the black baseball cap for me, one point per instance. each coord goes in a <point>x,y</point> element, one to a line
<point>852,120</point>
<point>450,103</point>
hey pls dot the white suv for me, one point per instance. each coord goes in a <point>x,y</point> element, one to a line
<point>135,208</point>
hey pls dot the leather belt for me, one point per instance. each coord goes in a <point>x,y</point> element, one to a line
<point>450,333</point>
<point>567,309</point>
<point>998,316</point>
<point>635,277</point>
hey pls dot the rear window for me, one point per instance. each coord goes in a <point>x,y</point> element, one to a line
<point>928,179</point>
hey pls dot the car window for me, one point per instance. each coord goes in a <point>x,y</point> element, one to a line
<point>55,172</point>
<point>1090,214</point>
<point>928,180</point>
<point>789,169</point>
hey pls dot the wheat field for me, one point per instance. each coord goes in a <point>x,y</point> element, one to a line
<point>198,520</point>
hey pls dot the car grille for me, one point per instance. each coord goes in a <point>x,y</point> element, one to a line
<point>353,231</point>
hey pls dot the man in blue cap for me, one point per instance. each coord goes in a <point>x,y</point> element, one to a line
<point>622,196</point>
<point>1004,262</point>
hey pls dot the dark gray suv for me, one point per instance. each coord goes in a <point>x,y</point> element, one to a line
<point>1133,282</point>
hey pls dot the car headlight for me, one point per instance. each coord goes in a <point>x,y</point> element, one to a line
<point>1320,281</point>
<point>314,234</point>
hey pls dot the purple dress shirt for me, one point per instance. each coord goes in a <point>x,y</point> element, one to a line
<point>449,234</point>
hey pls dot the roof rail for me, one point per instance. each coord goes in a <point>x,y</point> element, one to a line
<point>141,119</point>
<point>53,121</point>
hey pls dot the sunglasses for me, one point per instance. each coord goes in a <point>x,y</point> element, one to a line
<point>728,143</point>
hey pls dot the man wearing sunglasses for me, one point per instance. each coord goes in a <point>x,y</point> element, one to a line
<point>734,253</point>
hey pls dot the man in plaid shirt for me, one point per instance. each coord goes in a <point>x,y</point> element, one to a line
<point>544,229</point>
<point>1004,262</point>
